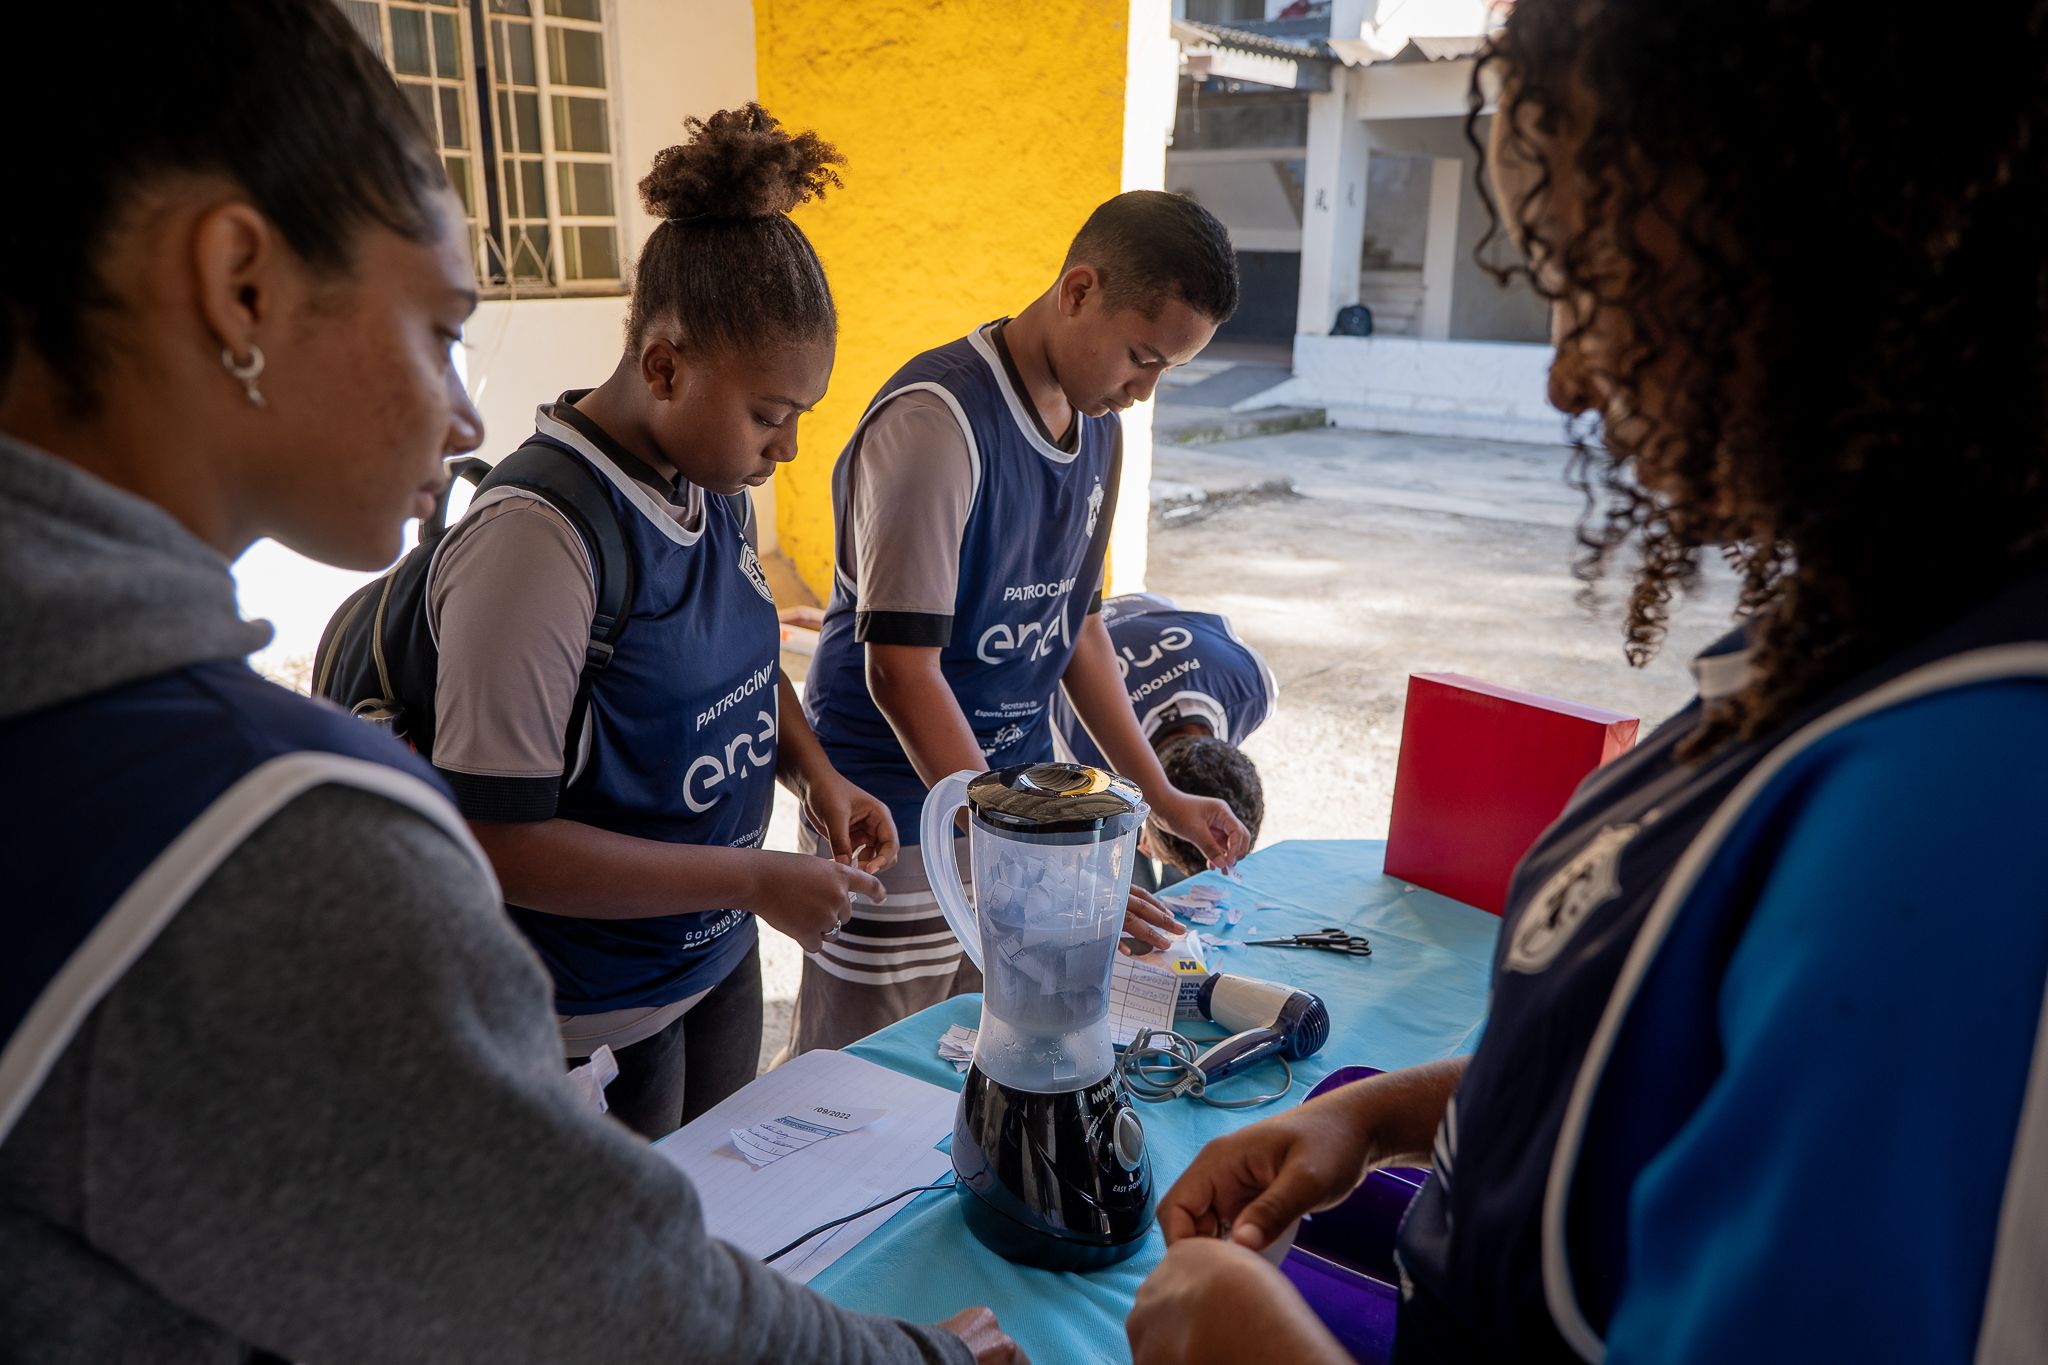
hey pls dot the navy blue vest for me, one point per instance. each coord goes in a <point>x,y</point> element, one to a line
<point>1484,1236</point>
<point>1177,666</point>
<point>681,743</point>
<point>1030,559</point>
<point>117,806</point>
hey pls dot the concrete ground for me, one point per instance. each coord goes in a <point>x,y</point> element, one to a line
<point>1390,555</point>
<point>1394,555</point>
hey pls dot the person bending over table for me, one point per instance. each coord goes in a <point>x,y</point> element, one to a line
<point>1763,1075</point>
<point>278,1078</point>
<point>1198,692</point>
<point>972,511</point>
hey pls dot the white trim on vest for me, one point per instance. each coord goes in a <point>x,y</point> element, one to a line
<point>2015,1321</point>
<point>155,897</point>
<point>1192,706</point>
<point>945,395</point>
<point>644,502</point>
<point>1027,424</point>
<point>1997,664</point>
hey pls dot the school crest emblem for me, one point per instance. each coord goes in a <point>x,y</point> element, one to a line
<point>1584,884</point>
<point>1002,739</point>
<point>750,565</point>
<point>1094,506</point>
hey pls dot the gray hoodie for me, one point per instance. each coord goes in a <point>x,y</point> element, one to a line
<point>324,1114</point>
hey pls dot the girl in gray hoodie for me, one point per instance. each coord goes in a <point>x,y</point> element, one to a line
<point>276,1076</point>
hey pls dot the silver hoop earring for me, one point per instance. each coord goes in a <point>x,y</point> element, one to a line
<point>248,372</point>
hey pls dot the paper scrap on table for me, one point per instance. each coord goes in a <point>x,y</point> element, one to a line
<point>956,1045</point>
<point>777,1138</point>
<point>1212,905</point>
<point>1194,911</point>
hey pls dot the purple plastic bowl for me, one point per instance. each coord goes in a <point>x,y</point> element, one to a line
<point>1343,1258</point>
<point>1359,1311</point>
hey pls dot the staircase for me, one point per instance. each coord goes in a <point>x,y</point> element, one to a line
<point>1394,293</point>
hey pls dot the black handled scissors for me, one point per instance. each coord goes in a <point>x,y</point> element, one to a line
<point>1328,940</point>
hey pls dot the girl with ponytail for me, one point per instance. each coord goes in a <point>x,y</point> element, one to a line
<point>633,862</point>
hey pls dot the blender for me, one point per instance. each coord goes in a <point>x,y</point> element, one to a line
<point>1049,1153</point>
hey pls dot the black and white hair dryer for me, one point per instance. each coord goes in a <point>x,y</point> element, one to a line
<point>1264,1018</point>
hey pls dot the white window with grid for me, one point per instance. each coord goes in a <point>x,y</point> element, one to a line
<point>518,93</point>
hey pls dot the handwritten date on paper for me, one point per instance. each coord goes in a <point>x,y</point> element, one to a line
<point>770,1141</point>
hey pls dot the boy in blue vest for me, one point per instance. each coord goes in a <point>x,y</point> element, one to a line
<point>972,511</point>
<point>1197,692</point>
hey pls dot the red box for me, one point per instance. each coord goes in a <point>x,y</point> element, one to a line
<point>1483,770</point>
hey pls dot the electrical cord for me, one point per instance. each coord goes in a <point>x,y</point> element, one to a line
<point>774,1256</point>
<point>1160,1065</point>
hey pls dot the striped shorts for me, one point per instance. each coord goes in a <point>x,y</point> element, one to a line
<point>890,961</point>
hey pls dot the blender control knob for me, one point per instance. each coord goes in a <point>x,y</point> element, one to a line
<point>1128,1139</point>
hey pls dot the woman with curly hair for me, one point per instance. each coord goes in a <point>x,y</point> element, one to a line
<point>1763,1076</point>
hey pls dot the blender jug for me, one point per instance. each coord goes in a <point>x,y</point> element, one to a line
<point>1050,1156</point>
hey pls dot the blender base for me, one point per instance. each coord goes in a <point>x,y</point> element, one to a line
<point>1060,1181</point>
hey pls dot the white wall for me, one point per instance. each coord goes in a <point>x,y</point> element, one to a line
<point>675,58</point>
<point>670,59</point>
<point>1484,389</point>
<point>1151,84</point>
<point>1333,204</point>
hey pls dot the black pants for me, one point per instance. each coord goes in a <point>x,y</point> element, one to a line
<point>668,1079</point>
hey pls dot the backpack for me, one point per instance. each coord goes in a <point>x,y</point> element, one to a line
<point>378,659</point>
<point>1353,320</point>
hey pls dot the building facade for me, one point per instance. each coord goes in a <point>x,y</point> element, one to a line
<point>978,137</point>
<point>1334,139</point>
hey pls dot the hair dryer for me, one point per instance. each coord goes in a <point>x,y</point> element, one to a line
<point>1264,1017</point>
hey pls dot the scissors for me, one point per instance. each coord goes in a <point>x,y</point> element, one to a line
<point>1328,940</point>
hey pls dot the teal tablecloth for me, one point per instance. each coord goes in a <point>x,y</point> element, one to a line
<point>1419,997</point>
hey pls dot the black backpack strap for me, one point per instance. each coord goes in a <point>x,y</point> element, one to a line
<point>469,468</point>
<point>577,491</point>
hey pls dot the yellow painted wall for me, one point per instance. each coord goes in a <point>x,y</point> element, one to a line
<point>978,136</point>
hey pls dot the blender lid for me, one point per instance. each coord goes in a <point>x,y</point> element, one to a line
<point>1056,798</point>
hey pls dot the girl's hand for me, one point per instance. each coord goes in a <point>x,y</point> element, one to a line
<point>1210,1301</point>
<point>1207,823</point>
<point>1249,1185</point>
<point>1147,921</point>
<point>855,824</point>
<point>809,898</point>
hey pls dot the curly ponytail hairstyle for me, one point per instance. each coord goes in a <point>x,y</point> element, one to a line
<point>726,266</point>
<point>1846,321</point>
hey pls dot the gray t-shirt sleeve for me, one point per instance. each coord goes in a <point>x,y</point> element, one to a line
<point>325,1113</point>
<point>912,486</point>
<point>510,599</point>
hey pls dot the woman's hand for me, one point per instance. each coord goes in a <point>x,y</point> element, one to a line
<point>1215,1301</point>
<point>1251,1184</point>
<point>808,898</point>
<point>1147,921</point>
<point>1207,823</point>
<point>855,824</point>
<point>977,1327</point>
